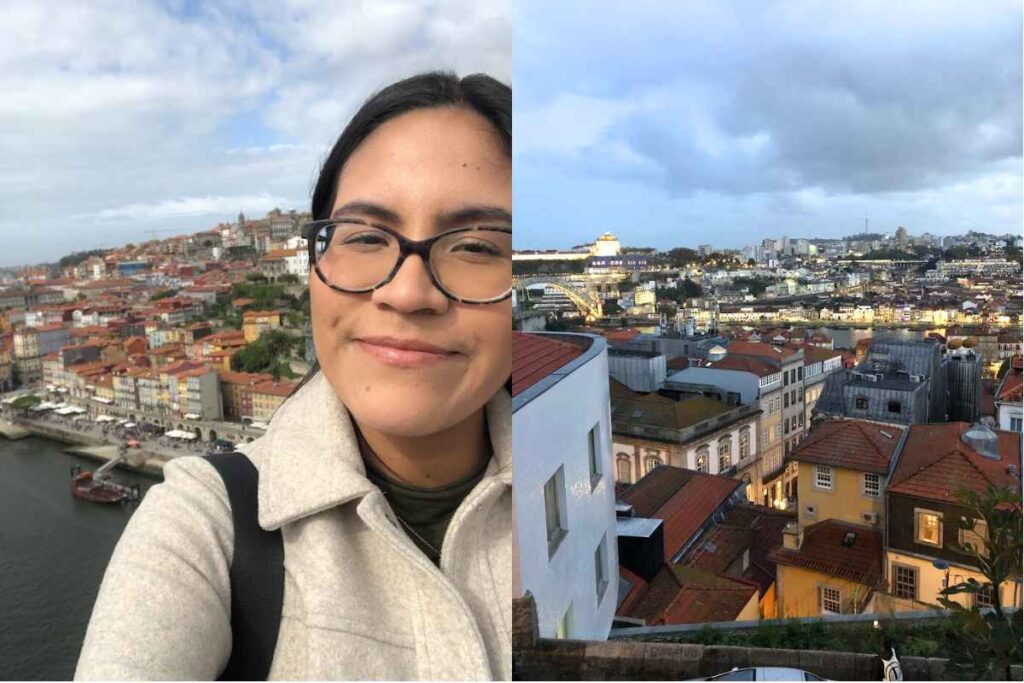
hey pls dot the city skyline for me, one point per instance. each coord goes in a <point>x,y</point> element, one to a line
<point>763,120</point>
<point>173,117</point>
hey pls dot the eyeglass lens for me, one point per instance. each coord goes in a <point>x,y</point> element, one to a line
<point>471,265</point>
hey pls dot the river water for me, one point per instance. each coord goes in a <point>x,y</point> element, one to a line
<point>53,551</point>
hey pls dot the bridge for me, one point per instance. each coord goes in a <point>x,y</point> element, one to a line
<point>588,303</point>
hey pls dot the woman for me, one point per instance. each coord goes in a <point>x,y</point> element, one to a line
<point>388,471</point>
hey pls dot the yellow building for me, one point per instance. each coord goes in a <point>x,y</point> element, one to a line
<point>256,323</point>
<point>831,559</point>
<point>842,468</point>
<point>267,397</point>
<point>831,567</point>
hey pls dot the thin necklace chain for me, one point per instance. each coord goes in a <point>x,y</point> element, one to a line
<point>413,532</point>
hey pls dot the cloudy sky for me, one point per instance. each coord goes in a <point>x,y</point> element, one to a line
<point>120,117</point>
<point>682,123</point>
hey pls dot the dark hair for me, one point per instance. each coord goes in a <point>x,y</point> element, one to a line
<point>478,92</point>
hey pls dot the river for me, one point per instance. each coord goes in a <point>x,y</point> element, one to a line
<point>53,551</point>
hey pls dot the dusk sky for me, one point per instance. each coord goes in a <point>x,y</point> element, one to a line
<point>684,123</point>
<point>127,116</point>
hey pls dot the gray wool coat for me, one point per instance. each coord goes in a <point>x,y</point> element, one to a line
<point>360,600</point>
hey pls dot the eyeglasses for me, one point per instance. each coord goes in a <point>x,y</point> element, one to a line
<point>469,265</point>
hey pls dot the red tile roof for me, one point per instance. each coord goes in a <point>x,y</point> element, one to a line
<point>851,444</point>
<point>1011,388</point>
<point>677,363</point>
<point>746,528</point>
<point>762,349</point>
<point>823,551</point>
<point>535,356</point>
<point>935,463</point>
<point>744,364</point>
<point>681,498</point>
<point>625,334</point>
<point>683,595</point>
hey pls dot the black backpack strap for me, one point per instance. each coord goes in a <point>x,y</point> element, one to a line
<point>257,574</point>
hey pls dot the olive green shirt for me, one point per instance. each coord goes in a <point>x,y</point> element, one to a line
<point>424,513</point>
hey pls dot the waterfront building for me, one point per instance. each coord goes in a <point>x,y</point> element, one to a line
<point>266,397</point>
<point>6,367</point>
<point>565,528</point>
<point>237,401</point>
<point>1009,397</point>
<point>32,343</point>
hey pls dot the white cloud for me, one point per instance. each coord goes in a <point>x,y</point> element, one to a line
<point>129,113</point>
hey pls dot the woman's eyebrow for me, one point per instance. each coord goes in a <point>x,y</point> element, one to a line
<point>472,214</point>
<point>368,209</point>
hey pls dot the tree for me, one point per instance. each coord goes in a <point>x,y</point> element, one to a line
<point>681,256</point>
<point>990,642</point>
<point>611,307</point>
<point>692,290</point>
<point>26,402</point>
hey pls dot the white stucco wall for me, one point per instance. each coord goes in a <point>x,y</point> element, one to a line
<point>743,383</point>
<point>551,432</point>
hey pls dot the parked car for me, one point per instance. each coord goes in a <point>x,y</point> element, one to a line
<point>765,673</point>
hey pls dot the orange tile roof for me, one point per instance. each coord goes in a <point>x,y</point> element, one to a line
<point>684,595</point>
<point>535,356</point>
<point>744,364</point>
<point>761,349</point>
<point>283,388</point>
<point>1011,388</point>
<point>683,499</point>
<point>850,444</point>
<point>244,378</point>
<point>935,463</point>
<point>823,551</point>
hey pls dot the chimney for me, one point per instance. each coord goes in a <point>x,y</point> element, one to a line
<point>792,536</point>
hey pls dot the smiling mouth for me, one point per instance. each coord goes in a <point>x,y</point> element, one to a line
<point>407,353</point>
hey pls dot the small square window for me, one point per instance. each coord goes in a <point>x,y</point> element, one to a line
<point>872,485</point>
<point>831,600</point>
<point>810,511</point>
<point>861,403</point>
<point>823,477</point>
<point>983,598</point>
<point>928,527</point>
<point>895,407</point>
<point>904,582</point>
<point>600,569</point>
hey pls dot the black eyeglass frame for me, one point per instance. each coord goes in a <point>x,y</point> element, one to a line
<point>406,247</point>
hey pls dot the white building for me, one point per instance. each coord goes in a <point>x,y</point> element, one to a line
<point>567,556</point>
<point>606,245</point>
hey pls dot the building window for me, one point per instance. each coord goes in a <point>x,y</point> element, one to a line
<point>785,403</point>
<point>785,425</point>
<point>702,459</point>
<point>872,485</point>
<point>895,407</point>
<point>976,536</point>
<point>831,599</point>
<point>563,629</point>
<point>928,527</point>
<point>1016,424</point>
<point>724,458</point>
<point>554,510</point>
<point>800,372</point>
<point>744,442</point>
<point>622,468</point>
<point>983,598</point>
<point>650,463</point>
<point>860,403</point>
<point>800,419</point>
<point>600,569</point>
<point>904,582</point>
<point>594,453</point>
<point>823,477</point>
<point>785,379</point>
<point>746,559</point>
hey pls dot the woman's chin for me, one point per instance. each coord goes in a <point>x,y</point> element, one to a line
<point>406,415</point>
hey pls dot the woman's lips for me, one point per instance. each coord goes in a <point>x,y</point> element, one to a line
<point>392,353</point>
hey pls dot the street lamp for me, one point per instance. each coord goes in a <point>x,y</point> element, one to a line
<point>942,565</point>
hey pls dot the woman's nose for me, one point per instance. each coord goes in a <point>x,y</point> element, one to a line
<point>411,289</point>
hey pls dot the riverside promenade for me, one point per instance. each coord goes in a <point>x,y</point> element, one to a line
<point>92,441</point>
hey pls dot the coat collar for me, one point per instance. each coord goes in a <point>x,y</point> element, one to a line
<point>310,459</point>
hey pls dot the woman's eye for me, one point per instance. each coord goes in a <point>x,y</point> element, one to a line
<point>475,247</point>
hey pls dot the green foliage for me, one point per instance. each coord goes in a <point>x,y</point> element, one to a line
<point>80,256</point>
<point>240,254</point>
<point>266,354</point>
<point>754,285</point>
<point>688,289</point>
<point>611,307</point>
<point>255,277</point>
<point>26,402</point>
<point>288,278</point>
<point>681,256</point>
<point>989,642</point>
<point>167,293</point>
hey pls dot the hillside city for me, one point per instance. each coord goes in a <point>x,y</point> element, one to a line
<point>818,430</point>
<point>172,344</point>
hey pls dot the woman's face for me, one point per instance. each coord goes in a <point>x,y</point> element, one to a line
<point>422,168</point>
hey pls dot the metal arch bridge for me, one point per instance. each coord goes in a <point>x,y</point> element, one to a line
<point>587,302</point>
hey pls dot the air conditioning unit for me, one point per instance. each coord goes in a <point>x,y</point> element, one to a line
<point>871,378</point>
<point>917,378</point>
<point>869,517</point>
